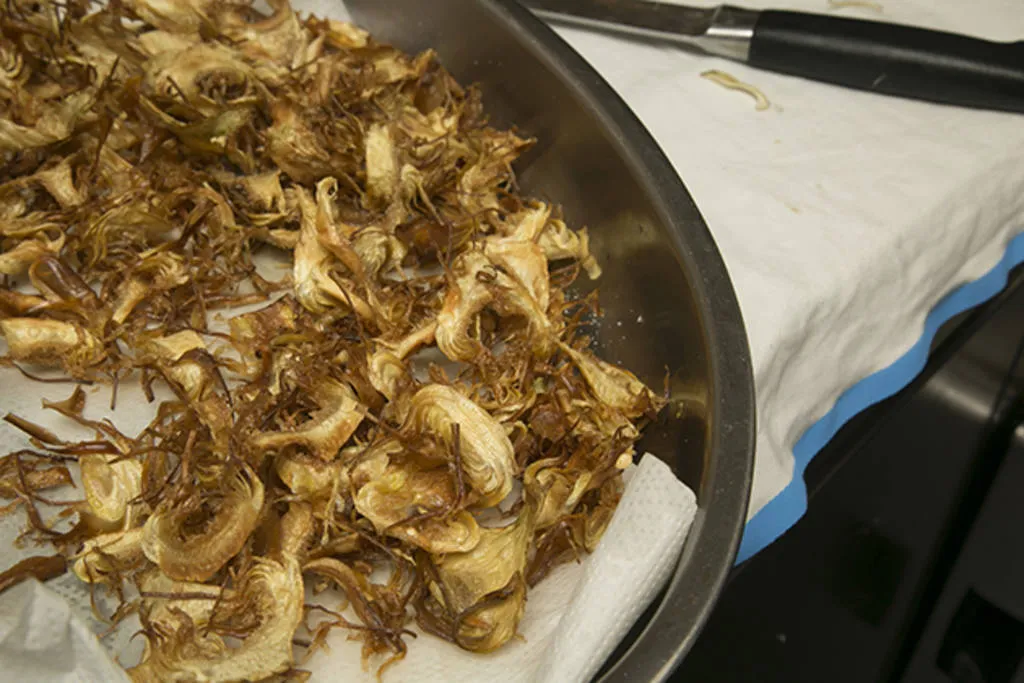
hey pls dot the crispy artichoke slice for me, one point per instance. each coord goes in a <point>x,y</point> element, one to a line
<point>110,485</point>
<point>480,281</point>
<point>105,558</point>
<point>487,456</point>
<point>328,429</point>
<point>614,387</point>
<point>155,273</point>
<point>184,552</point>
<point>483,591</point>
<point>52,343</point>
<point>268,602</point>
<point>419,507</point>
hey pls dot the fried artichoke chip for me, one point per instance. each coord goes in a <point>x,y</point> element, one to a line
<point>52,343</point>
<point>187,73</point>
<point>110,486</point>
<point>381,164</point>
<point>267,206</point>
<point>58,181</point>
<point>614,387</point>
<point>13,72</point>
<point>315,288</point>
<point>334,235</point>
<point>63,286</point>
<point>573,534</point>
<point>488,459</point>
<point>280,38</point>
<point>559,242</point>
<point>160,608</point>
<point>175,16</point>
<point>340,34</point>
<point>466,297</point>
<point>419,508</point>
<point>483,591</point>
<point>157,272</point>
<point>252,334</point>
<point>56,123</point>
<point>558,490</point>
<point>528,223</point>
<point>379,252</point>
<point>17,260</point>
<point>596,422</point>
<point>295,147</point>
<point>387,366</point>
<point>320,483</point>
<point>525,262</point>
<point>480,181</point>
<point>268,602</point>
<point>173,347</point>
<point>192,373</point>
<point>186,553</point>
<point>157,42</point>
<point>478,283</point>
<point>250,331</point>
<point>328,428</point>
<point>107,557</point>
<point>384,618</point>
<point>553,236</point>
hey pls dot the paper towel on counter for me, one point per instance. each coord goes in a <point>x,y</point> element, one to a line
<point>843,216</point>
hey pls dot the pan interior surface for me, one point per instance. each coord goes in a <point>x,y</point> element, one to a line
<point>667,301</point>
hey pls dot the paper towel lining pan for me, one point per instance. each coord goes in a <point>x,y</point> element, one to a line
<point>667,298</point>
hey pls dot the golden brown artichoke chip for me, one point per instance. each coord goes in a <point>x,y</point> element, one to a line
<point>183,550</point>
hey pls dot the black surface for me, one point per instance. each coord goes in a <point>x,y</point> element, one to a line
<point>909,564</point>
<point>975,631</point>
<point>891,59</point>
<point>824,602</point>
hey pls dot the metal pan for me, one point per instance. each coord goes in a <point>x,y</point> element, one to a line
<point>667,299</point>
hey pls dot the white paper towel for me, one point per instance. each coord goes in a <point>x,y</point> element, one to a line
<point>573,619</point>
<point>42,640</point>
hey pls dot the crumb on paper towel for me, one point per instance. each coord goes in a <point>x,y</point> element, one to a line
<point>729,81</point>
<point>843,4</point>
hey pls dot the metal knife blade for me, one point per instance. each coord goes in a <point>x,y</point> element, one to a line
<point>723,30</point>
<point>649,16</point>
<point>894,59</point>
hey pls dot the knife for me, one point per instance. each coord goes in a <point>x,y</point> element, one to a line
<point>880,57</point>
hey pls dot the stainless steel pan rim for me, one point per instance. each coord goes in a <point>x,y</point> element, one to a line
<point>711,548</point>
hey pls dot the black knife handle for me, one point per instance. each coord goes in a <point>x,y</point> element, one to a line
<point>891,59</point>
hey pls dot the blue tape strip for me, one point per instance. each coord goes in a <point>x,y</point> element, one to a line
<point>784,510</point>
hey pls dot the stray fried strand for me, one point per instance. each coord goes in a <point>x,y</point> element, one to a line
<point>729,81</point>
